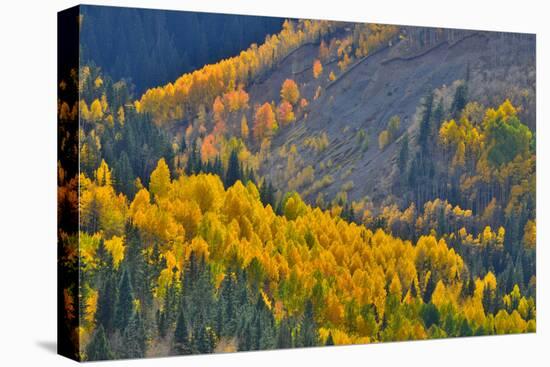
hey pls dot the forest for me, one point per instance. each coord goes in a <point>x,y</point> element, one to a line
<point>207,223</point>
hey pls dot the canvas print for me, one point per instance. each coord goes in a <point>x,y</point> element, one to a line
<point>239,183</point>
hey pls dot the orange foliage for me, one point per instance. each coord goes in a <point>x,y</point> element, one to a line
<point>290,91</point>
<point>236,100</point>
<point>317,69</point>
<point>208,148</point>
<point>169,102</point>
<point>264,122</point>
<point>285,114</point>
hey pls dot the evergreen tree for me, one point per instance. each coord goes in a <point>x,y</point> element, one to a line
<point>162,325</point>
<point>403,153</point>
<point>106,303</point>
<point>414,294</point>
<point>227,305</point>
<point>308,329</point>
<point>194,160</point>
<point>284,335</point>
<point>329,341</point>
<point>465,329</point>
<point>429,314</point>
<point>205,342</point>
<point>183,146</point>
<point>124,175</point>
<point>138,266</point>
<point>488,300</point>
<point>125,302</point>
<point>425,122</point>
<point>438,116</point>
<point>459,101</point>
<point>102,255</point>
<point>182,343</point>
<point>267,193</point>
<point>233,169</point>
<point>245,339</point>
<point>471,287</point>
<point>134,337</point>
<point>98,348</point>
<point>430,287</point>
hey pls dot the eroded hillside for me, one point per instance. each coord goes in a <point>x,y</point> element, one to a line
<point>352,110</point>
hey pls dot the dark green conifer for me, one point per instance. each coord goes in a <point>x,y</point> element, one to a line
<point>98,348</point>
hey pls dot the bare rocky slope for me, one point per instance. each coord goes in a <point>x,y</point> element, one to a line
<point>353,109</point>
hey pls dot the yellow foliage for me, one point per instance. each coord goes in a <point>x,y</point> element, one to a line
<point>103,174</point>
<point>383,139</point>
<point>440,295</point>
<point>295,251</point>
<point>96,111</point>
<point>91,306</point>
<point>530,234</point>
<point>116,248</point>
<point>88,247</point>
<point>290,91</point>
<point>121,116</point>
<point>98,82</point>
<point>506,323</point>
<point>84,111</point>
<point>490,281</point>
<point>160,179</point>
<point>244,127</point>
<point>100,202</point>
<point>395,287</point>
<point>202,86</point>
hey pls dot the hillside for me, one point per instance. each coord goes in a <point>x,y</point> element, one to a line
<point>338,183</point>
<point>364,98</point>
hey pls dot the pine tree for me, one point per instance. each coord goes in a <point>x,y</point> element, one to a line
<point>226,306</point>
<point>459,101</point>
<point>106,303</point>
<point>183,146</point>
<point>124,175</point>
<point>161,324</point>
<point>134,337</point>
<point>329,341</point>
<point>233,169</point>
<point>438,115</point>
<point>465,329</point>
<point>125,302</point>
<point>471,287</point>
<point>267,193</point>
<point>308,329</point>
<point>102,255</point>
<point>430,287</point>
<point>403,153</point>
<point>430,315</point>
<point>204,338</point>
<point>98,348</point>
<point>284,335</point>
<point>425,126</point>
<point>414,294</point>
<point>245,339</point>
<point>257,330</point>
<point>182,343</point>
<point>488,300</point>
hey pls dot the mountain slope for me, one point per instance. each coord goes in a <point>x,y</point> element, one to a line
<point>387,83</point>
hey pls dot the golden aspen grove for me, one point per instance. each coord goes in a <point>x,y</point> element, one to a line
<point>306,187</point>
